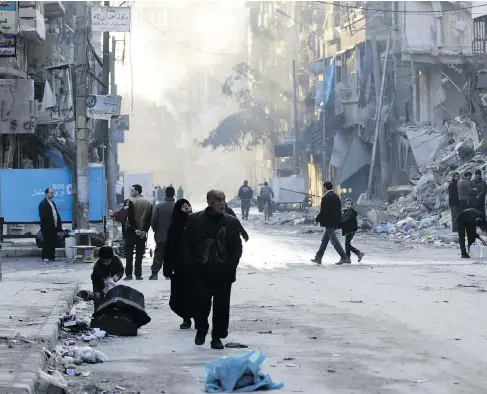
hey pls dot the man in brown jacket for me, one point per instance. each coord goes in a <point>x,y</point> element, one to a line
<point>139,220</point>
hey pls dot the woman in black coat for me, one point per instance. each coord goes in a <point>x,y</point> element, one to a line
<point>174,268</point>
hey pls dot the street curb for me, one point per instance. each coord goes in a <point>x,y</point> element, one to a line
<point>27,373</point>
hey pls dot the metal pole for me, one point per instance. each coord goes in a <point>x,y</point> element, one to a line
<point>379,88</point>
<point>81,131</point>
<point>296,128</point>
<point>324,165</point>
<point>110,159</point>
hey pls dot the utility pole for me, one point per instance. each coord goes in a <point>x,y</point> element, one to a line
<point>296,129</point>
<point>379,90</point>
<point>81,129</point>
<point>111,151</point>
<point>108,69</point>
<point>324,162</point>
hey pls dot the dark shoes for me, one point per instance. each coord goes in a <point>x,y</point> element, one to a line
<point>139,278</point>
<point>217,344</point>
<point>153,276</point>
<point>200,338</point>
<point>128,277</point>
<point>316,260</point>
<point>465,256</point>
<point>186,325</point>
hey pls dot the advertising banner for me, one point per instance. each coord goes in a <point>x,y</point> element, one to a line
<point>9,17</point>
<point>111,19</point>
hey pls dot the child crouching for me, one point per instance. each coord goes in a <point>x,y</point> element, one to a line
<point>107,267</point>
<point>349,228</point>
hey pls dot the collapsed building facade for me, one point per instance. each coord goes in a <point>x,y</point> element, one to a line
<point>354,57</point>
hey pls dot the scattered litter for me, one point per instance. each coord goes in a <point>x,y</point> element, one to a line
<point>288,358</point>
<point>79,355</point>
<point>239,373</point>
<point>236,345</point>
<point>466,286</point>
<point>72,372</point>
<point>56,379</point>
<point>265,332</point>
<point>120,388</point>
<point>85,374</point>
<point>331,371</point>
<point>94,334</point>
<point>336,355</point>
<point>420,381</point>
<point>354,302</point>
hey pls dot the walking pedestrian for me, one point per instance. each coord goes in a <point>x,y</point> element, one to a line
<point>108,266</point>
<point>138,224</point>
<point>467,221</point>
<point>349,228</point>
<point>480,188</point>
<point>213,253</point>
<point>465,191</point>
<point>266,196</point>
<point>245,194</point>
<point>180,193</point>
<point>330,217</point>
<point>51,224</point>
<point>454,200</point>
<point>161,220</point>
<point>181,301</point>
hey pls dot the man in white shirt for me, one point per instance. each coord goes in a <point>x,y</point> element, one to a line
<point>50,225</point>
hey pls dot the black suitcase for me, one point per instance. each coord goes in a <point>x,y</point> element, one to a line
<point>124,301</point>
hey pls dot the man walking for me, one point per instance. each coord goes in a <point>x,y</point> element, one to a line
<point>467,221</point>
<point>480,188</point>
<point>465,191</point>
<point>139,220</point>
<point>161,220</point>
<point>266,196</point>
<point>454,200</point>
<point>213,251</point>
<point>245,194</point>
<point>330,217</point>
<point>180,194</point>
<point>50,225</point>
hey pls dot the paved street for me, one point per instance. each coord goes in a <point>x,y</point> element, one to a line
<point>407,320</point>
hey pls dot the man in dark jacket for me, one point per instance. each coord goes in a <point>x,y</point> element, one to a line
<point>161,221</point>
<point>231,212</point>
<point>50,225</point>
<point>213,251</point>
<point>454,200</point>
<point>245,194</point>
<point>465,191</point>
<point>330,217</point>
<point>108,266</point>
<point>480,187</point>
<point>139,221</point>
<point>467,221</point>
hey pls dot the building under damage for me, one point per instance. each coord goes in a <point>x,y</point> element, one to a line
<point>354,57</point>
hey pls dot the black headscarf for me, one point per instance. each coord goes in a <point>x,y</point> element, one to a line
<point>178,216</point>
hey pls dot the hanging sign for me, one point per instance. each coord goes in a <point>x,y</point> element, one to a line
<point>8,45</point>
<point>111,19</point>
<point>9,21</point>
<point>103,107</point>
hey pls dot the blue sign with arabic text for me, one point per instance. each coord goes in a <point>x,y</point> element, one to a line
<point>8,5</point>
<point>21,191</point>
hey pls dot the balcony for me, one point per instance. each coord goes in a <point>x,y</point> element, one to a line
<point>332,35</point>
<point>32,25</point>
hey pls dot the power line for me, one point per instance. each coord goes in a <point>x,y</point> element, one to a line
<point>189,46</point>
<point>396,11</point>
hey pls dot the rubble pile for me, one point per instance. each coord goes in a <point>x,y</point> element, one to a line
<point>456,152</point>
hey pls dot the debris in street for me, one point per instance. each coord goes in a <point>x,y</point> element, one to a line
<point>93,335</point>
<point>56,379</point>
<point>265,332</point>
<point>72,372</point>
<point>420,381</point>
<point>353,302</point>
<point>466,286</point>
<point>239,373</point>
<point>235,345</point>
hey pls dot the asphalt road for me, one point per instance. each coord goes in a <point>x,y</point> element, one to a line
<point>408,319</point>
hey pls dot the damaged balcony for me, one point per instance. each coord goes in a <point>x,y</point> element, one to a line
<point>32,25</point>
<point>53,9</point>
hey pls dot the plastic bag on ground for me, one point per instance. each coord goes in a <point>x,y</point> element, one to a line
<point>239,374</point>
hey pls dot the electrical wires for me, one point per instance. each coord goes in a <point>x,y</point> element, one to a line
<point>342,5</point>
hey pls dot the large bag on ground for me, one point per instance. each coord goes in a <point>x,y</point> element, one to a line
<point>124,301</point>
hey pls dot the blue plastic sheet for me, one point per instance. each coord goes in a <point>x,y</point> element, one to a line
<point>239,374</point>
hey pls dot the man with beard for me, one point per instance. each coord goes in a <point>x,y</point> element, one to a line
<point>213,251</point>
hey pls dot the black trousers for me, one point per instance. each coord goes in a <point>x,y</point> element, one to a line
<point>470,231</point>
<point>49,242</point>
<point>158,257</point>
<point>245,206</point>
<point>133,241</point>
<point>206,289</point>
<point>348,245</point>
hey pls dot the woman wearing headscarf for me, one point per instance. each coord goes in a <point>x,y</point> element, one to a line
<point>174,268</point>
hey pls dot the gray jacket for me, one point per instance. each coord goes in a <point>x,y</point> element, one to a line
<point>465,191</point>
<point>161,219</point>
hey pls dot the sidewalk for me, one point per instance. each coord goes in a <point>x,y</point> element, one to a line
<point>31,303</point>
